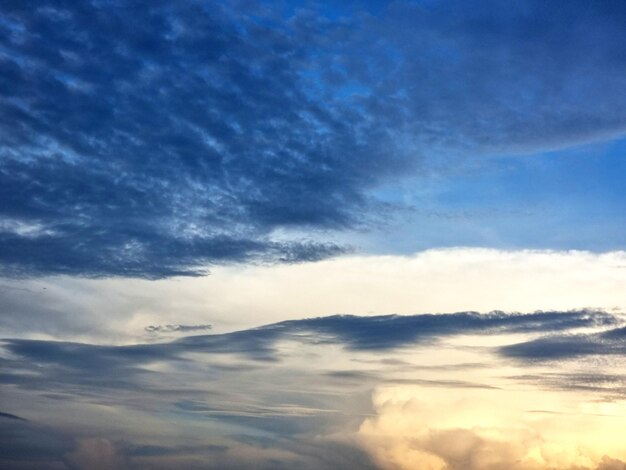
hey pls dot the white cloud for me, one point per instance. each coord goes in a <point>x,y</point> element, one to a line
<point>441,280</point>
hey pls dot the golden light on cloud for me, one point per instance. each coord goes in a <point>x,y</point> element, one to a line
<point>425,428</point>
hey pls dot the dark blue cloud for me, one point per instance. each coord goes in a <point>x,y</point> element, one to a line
<point>569,346</point>
<point>384,332</point>
<point>11,416</point>
<point>152,139</point>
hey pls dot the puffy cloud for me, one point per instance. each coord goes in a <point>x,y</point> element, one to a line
<point>417,429</point>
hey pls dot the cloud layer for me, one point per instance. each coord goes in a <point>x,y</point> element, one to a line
<point>237,297</point>
<point>299,392</point>
<point>152,140</point>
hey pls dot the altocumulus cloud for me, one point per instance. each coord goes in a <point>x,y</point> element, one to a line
<point>153,139</point>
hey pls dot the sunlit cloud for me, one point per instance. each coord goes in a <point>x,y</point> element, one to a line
<point>444,280</point>
<point>397,392</point>
<point>418,428</point>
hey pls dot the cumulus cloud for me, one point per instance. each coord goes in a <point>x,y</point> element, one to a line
<point>154,140</point>
<point>415,429</point>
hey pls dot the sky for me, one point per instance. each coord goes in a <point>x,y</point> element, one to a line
<point>362,235</point>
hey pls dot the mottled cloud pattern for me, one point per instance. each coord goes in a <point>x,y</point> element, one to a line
<point>153,139</point>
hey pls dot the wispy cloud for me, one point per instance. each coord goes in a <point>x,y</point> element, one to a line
<point>353,332</point>
<point>176,328</point>
<point>560,347</point>
<point>277,395</point>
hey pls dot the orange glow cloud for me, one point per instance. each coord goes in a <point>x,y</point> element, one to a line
<point>418,428</point>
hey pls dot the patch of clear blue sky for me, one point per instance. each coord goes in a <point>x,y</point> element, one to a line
<point>566,199</point>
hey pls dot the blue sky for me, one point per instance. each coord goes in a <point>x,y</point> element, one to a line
<point>561,199</point>
<point>234,234</point>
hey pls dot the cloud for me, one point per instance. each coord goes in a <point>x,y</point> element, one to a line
<point>11,416</point>
<point>99,454</point>
<point>612,386</point>
<point>176,328</point>
<point>155,140</point>
<point>560,347</point>
<point>298,392</point>
<point>27,444</point>
<point>383,332</point>
<point>33,445</point>
<point>240,297</point>
<point>416,429</point>
<point>290,380</point>
<point>353,332</point>
<point>68,367</point>
<point>102,453</point>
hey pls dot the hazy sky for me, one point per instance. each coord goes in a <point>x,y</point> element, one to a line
<point>235,234</point>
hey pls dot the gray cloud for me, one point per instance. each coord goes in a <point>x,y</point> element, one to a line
<point>65,367</point>
<point>569,346</point>
<point>11,416</point>
<point>354,332</point>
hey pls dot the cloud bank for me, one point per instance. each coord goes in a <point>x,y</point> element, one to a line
<point>236,297</point>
